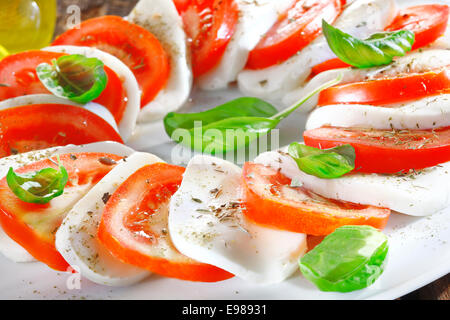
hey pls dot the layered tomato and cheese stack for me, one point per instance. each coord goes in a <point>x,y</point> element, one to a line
<point>397,119</point>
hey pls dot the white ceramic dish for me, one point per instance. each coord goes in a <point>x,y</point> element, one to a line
<point>419,250</point>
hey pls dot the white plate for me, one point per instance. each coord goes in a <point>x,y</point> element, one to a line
<point>419,251</point>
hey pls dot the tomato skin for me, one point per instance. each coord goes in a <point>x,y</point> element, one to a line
<point>145,191</point>
<point>18,72</point>
<point>295,29</point>
<point>209,24</point>
<point>318,217</point>
<point>139,49</point>
<point>41,126</point>
<point>428,22</point>
<point>382,151</point>
<point>401,89</point>
<point>86,169</point>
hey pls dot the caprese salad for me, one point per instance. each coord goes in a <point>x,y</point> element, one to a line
<point>377,140</point>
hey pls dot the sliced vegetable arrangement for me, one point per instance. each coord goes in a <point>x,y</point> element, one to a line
<point>376,144</point>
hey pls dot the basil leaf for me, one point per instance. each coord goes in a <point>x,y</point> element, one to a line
<point>230,126</point>
<point>377,50</point>
<point>327,163</point>
<point>39,186</point>
<point>230,134</point>
<point>240,107</point>
<point>74,77</point>
<point>351,258</point>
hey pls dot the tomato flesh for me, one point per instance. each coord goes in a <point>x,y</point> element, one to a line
<point>33,226</point>
<point>294,30</point>
<point>18,75</point>
<point>134,226</point>
<point>139,49</point>
<point>270,200</point>
<point>382,92</point>
<point>386,151</point>
<point>209,24</point>
<point>428,22</point>
<point>41,126</point>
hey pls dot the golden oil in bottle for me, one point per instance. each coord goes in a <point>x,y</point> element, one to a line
<point>26,24</point>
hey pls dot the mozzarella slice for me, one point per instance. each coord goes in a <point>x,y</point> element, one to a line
<point>8,247</point>
<point>361,19</point>
<point>161,18</point>
<point>427,113</point>
<point>416,194</point>
<point>256,17</point>
<point>31,99</point>
<point>76,238</point>
<point>128,122</point>
<point>416,62</point>
<point>206,224</point>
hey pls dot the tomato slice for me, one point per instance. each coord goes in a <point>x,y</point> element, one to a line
<point>139,49</point>
<point>428,22</point>
<point>33,226</point>
<point>18,75</point>
<point>134,226</point>
<point>209,24</point>
<point>331,64</point>
<point>295,29</point>
<point>270,200</point>
<point>382,92</point>
<point>386,151</point>
<point>42,126</point>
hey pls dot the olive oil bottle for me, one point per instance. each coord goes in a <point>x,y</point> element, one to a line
<point>26,24</point>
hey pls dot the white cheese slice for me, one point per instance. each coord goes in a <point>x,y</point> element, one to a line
<point>207,225</point>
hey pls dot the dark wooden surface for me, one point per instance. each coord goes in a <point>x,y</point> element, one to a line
<point>437,290</point>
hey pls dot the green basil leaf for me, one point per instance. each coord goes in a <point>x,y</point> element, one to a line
<point>351,258</point>
<point>327,163</point>
<point>240,107</point>
<point>229,134</point>
<point>74,77</point>
<point>377,50</point>
<point>39,186</point>
<point>232,125</point>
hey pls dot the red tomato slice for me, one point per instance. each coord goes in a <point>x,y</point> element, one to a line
<point>400,89</point>
<point>134,226</point>
<point>209,24</point>
<point>42,126</point>
<point>135,46</point>
<point>386,151</point>
<point>270,200</point>
<point>295,29</point>
<point>428,22</point>
<point>331,64</point>
<point>18,74</point>
<point>33,226</point>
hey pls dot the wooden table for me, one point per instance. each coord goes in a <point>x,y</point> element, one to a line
<point>437,290</point>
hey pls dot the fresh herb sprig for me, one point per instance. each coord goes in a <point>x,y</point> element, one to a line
<point>230,126</point>
<point>323,163</point>
<point>377,50</point>
<point>38,186</point>
<point>74,77</point>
